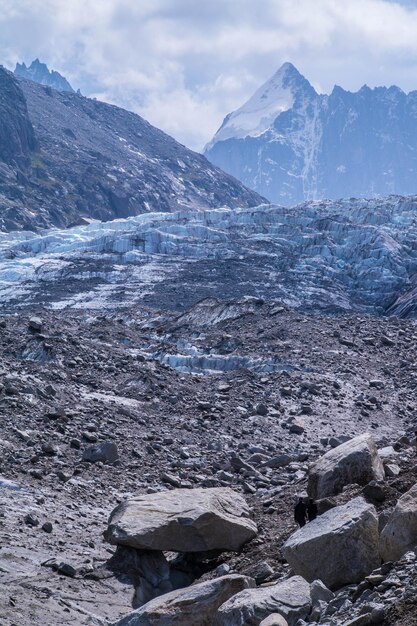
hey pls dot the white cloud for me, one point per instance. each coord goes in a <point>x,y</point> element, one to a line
<point>185,64</point>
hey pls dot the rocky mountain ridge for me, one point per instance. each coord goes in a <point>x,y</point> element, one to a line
<point>66,159</point>
<point>292,144</point>
<point>40,73</point>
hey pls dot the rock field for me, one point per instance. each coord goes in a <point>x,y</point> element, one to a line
<point>102,409</point>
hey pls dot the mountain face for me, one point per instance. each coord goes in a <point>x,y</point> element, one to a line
<point>40,73</point>
<point>292,144</point>
<point>65,158</point>
<point>331,257</point>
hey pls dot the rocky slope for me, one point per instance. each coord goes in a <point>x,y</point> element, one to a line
<point>357,256</point>
<point>65,159</point>
<point>40,73</point>
<point>72,380</point>
<point>291,144</point>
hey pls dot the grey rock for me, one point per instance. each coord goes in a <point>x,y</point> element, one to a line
<point>400,532</point>
<point>319,592</point>
<point>392,470</point>
<point>290,598</point>
<point>355,461</point>
<point>280,460</point>
<point>35,323</point>
<point>375,490</point>
<point>339,547</point>
<point>105,452</point>
<point>196,605</point>
<point>275,619</point>
<point>183,520</point>
<point>47,527</point>
<point>260,572</point>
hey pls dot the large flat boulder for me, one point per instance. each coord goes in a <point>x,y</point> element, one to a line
<point>196,605</point>
<point>400,532</point>
<point>290,598</point>
<point>339,547</point>
<point>355,461</point>
<point>183,520</point>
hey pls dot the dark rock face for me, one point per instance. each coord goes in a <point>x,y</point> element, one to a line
<point>40,73</point>
<point>17,137</point>
<point>64,158</point>
<point>318,146</point>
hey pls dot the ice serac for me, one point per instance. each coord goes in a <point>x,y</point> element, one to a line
<point>183,520</point>
<point>40,73</point>
<point>355,461</point>
<point>340,547</point>
<point>311,146</point>
<point>85,159</point>
<point>340,256</point>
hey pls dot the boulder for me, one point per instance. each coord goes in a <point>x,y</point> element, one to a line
<point>35,324</point>
<point>320,593</point>
<point>105,452</point>
<point>355,461</point>
<point>275,619</point>
<point>183,520</point>
<point>196,605</point>
<point>387,453</point>
<point>375,491</point>
<point>339,547</point>
<point>290,598</point>
<point>392,470</point>
<point>400,532</point>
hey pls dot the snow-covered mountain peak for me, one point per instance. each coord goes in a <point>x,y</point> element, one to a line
<point>346,144</point>
<point>257,115</point>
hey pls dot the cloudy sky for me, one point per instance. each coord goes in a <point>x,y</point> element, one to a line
<point>184,64</point>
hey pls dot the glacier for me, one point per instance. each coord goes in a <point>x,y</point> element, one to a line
<point>349,255</point>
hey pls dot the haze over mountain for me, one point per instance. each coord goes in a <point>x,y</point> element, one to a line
<point>65,158</point>
<point>292,144</point>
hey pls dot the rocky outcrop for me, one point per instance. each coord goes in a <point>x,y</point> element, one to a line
<point>290,598</point>
<point>339,547</point>
<point>355,461</point>
<point>400,532</point>
<point>40,73</point>
<point>183,520</point>
<point>196,605</point>
<point>17,137</point>
<point>291,144</point>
